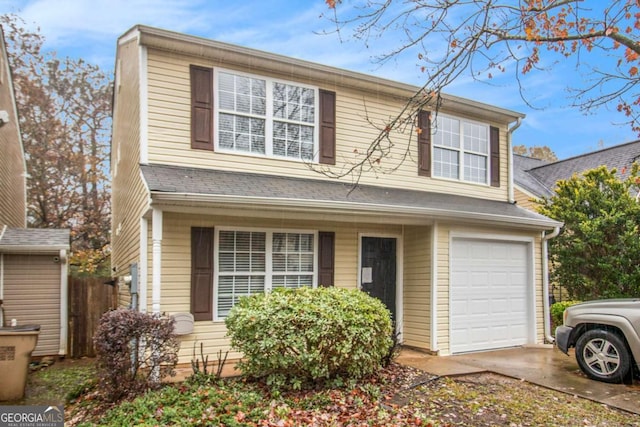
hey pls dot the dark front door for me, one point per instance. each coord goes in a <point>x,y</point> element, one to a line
<point>378,274</point>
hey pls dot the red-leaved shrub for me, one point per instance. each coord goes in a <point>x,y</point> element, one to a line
<point>135,351</point>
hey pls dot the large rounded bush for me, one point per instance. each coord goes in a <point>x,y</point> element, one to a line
<point>296,337</point>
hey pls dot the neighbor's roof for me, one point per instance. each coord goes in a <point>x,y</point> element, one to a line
<point>539,178</point>
<point>181,185</point>
<point>33,239</point>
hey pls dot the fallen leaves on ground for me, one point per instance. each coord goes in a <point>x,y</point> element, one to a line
<point>397,396</point>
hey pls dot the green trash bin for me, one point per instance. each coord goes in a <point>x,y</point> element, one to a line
<point>16,345</point>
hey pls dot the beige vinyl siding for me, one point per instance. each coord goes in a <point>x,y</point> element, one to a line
<point>32,296</point>
<point>417,287</point>
<point>176,265</point>
<point>169,135</point>
<point>525,200</point>
<point>129,194</point>
<point>443,288</point>
<point>13,210</point>
<point>539,299</point>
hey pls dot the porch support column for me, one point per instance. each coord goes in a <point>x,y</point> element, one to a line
<point>156,236</point>
<point>434,289</point>
<point>143,265</point>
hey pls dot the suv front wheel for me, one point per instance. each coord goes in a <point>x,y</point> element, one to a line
<point>603,356</point>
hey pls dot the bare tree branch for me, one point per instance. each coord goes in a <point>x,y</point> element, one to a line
<point>476,38</point>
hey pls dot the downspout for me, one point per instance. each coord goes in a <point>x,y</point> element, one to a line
<point>510,159</point>
<point>4,228</point>
<point>64,302</point>
<point>545,283</point>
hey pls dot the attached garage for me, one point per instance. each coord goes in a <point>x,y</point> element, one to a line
<point>491,294</point>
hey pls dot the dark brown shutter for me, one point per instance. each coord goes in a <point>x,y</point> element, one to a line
<point>201,108</point>
<point>327,127</point>
<point>494,142</point>
<point>326,258</point>
<point>424,143</point>
<point>202,273</point>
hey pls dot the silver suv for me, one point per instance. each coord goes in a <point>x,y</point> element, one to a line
<point>606,335</point>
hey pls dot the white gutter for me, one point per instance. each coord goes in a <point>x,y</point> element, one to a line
<point>510,159</point>
<point>32,249</point>
<point>4,228</point>
<point>64,302</point>
<point>333,206</point>
<point>545,283</point>
<point>1,280</point>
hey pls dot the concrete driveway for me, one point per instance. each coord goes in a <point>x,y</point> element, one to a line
<point>542,365</point>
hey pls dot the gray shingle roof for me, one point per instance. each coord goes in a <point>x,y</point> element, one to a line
<point>34,237</point>
<point>522,165</point>
<point>546,175</point>
<point>250,186</point>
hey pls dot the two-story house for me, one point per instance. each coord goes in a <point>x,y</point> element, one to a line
<point>216,194</point>
<point>33,266</point>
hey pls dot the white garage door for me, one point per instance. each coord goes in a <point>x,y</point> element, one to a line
<point>490,288</point>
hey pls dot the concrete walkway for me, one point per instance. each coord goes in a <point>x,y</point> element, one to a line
<point>541,365</point>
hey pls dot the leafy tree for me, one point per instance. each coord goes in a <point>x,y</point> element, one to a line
<point>542,153</point>
<point>65,117</point>
<point>484,38</point>
<point>597,253</point>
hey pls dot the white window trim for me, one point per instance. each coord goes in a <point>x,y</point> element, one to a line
<point>268,130</point>
<point>461,152</point>
<point>268,275</point>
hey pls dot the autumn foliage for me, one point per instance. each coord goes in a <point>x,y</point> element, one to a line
<point>64,109</point>
<point>135,350</point>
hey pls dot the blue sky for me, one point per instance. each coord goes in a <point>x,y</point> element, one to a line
<point>88,29</point>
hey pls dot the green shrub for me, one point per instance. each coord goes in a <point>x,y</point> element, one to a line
<point>557,310</point>
<point>135,350</point>
<point>295,338</point>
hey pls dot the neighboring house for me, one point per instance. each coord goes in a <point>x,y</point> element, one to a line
<point>33,265</point>
<point>536,179</point>
<point>216,195</point>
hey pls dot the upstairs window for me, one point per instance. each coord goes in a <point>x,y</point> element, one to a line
<point>461,150</point>
<point>259,116</point>
<point>266,117</point>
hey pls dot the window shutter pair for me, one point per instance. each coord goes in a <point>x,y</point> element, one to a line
<point>202,268</point>
<point>202,109</point>
<point>424,148</point>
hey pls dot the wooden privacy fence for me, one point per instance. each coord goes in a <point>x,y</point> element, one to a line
<point>89,298</point>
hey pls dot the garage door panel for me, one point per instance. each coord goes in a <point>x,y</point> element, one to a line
<point>489,294</point>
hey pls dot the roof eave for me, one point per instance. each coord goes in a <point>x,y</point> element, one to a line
<point>336,206</point>
<point>242,56</point>
<point>32,249</point>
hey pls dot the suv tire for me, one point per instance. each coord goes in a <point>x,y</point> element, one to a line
<point>603,355</point>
